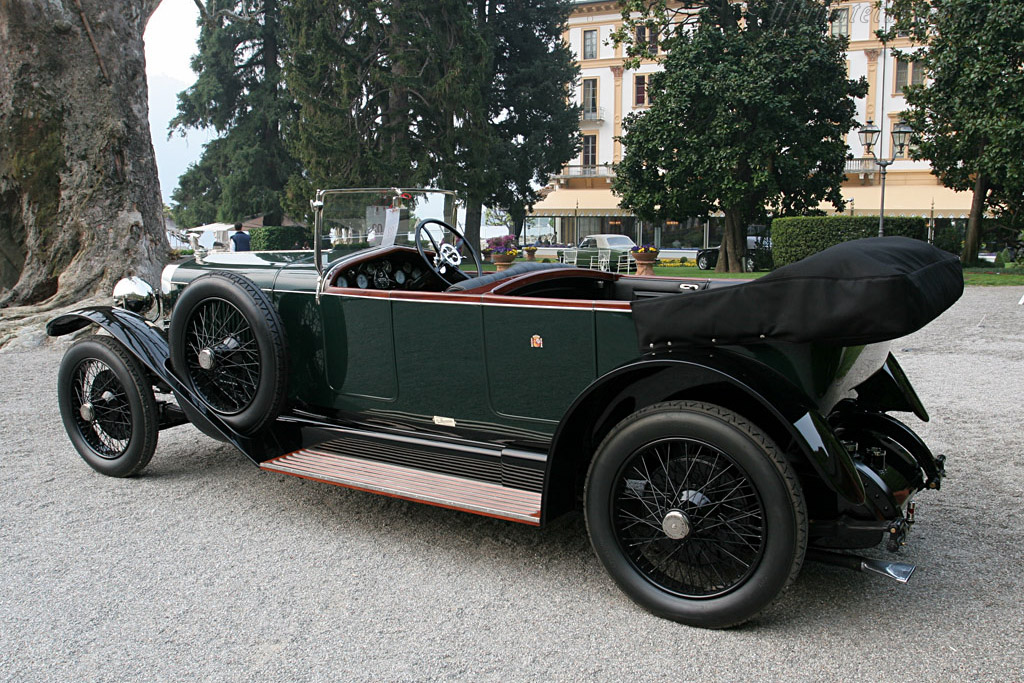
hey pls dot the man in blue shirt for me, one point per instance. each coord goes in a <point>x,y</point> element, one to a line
<point>240,238</point>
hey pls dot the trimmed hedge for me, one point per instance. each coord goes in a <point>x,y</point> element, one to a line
<point>279,237</point>
<point>800,236</point>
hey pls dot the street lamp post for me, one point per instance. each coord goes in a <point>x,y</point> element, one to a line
<point>869,134</point>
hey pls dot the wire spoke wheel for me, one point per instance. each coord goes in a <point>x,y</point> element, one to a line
<point>101,408</point>
<point>695,513</point>
<point>687,518</point>
<point>227,343</point>
<point>107,406</point>
<point>223,356</point>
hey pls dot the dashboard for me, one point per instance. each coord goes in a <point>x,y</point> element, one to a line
<point>395,271</point>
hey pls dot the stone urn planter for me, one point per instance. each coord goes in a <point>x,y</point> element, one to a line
<point>531,254</point>
<point>645,261</point>
<point>503,260</point>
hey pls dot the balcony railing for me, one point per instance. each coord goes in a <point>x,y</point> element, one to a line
<point>586,171</point>
<point>861,166</point>
<point>595,115</point>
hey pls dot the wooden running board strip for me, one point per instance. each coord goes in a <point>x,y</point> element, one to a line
<point>442,490</point>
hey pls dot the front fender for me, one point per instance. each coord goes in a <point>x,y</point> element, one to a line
<point>778,406</point>
<point>149,345</point>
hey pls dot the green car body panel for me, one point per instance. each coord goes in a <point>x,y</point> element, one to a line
<point>403,363</point>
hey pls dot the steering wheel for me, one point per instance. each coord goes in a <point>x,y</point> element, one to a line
<point>447,259</point>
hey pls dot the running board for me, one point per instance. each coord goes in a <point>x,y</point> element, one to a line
<point>408,483</point>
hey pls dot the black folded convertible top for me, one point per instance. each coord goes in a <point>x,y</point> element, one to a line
<point>858,292</point>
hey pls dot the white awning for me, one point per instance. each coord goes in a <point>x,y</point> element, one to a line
<point>906,200</point>
<point>589,202</point>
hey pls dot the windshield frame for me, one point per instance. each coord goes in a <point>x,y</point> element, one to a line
<point>400,194</point>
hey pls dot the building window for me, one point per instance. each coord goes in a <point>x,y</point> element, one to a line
<point>590,99</point>
<point>647,40</point>
<point>590,44</point>
<point>907,73</point>
<point>641,95</point>
<point>589,157</point>
<point>841,22</point>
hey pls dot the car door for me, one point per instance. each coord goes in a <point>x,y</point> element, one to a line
<point>586,250</point>
<point>439,351</point>
<point>540,354</point>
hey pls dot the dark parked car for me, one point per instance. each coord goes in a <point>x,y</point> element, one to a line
<point>758,255</point>
<point>714,434</point>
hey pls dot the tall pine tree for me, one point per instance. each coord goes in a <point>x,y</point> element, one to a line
<point>524,127</point>
<point>239,93</point>
<point>378,86</point>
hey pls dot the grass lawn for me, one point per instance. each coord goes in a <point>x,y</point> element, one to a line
<point>985,277</point>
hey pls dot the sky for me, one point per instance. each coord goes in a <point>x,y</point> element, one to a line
<point>170,43</point>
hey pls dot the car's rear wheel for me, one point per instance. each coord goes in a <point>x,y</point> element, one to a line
<point>228,345</point>
<point>107,406</point>
<point>703,262</point>
<point>695,514</point>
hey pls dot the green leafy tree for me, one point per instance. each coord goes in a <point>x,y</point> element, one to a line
<point>749,115</point>
<point>240,93</point>
<point>523,126</point>
<point>379,86</point>
<point>968,116</point>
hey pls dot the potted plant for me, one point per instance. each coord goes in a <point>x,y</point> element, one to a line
<point>531,253</point>
<point>500,248</point>
<point>645,256</point>
<point>504,256</point>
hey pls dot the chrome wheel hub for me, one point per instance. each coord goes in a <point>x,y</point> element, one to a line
<point>206,359</point>
<point>87,413</point>
<point>676,525</point>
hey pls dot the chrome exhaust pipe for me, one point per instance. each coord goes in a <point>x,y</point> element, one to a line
<point>897,571</point>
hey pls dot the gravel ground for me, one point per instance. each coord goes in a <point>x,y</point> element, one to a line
<point>206,567</point>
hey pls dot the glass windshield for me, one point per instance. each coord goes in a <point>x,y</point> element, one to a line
<point>383,216</point>
<point>619,241</point>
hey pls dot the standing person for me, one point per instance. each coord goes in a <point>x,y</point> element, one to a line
<point>240,239</point>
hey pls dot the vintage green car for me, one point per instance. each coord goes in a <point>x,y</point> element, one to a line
<point>604,252</point>
<point>713,434</point>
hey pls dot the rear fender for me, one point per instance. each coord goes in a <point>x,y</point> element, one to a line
<point>150,346</point>
<point>782,410</point>
<point>849,415</point>
<point>889,389</point>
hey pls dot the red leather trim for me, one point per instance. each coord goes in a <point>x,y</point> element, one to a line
<point>553,274</point>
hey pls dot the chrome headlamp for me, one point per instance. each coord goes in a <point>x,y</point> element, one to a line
<point>134,294</point>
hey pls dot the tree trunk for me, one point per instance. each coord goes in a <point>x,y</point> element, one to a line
<point>734,242</point>
<point>972,241</point>
<point>79,196</point>
<point>518,215</point>
<point>474,212</point>
<point>271,132</point>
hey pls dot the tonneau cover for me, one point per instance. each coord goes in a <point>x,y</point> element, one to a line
<point>857,292</point>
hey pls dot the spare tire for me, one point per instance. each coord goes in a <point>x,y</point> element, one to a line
<point>228,346</point>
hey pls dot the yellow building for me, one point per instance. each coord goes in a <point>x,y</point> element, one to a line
<point>580,201</point>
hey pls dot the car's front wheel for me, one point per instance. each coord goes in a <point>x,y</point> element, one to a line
<point>695,514</point>
<point>107,406</point>
<point>228,344</point>
<point>703,262</point>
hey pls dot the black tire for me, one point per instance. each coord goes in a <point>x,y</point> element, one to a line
<point>702,261</point>
<point>709,557</point>
<point>107,406</point>
<point>748,264</point>
<point>244,375</point>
